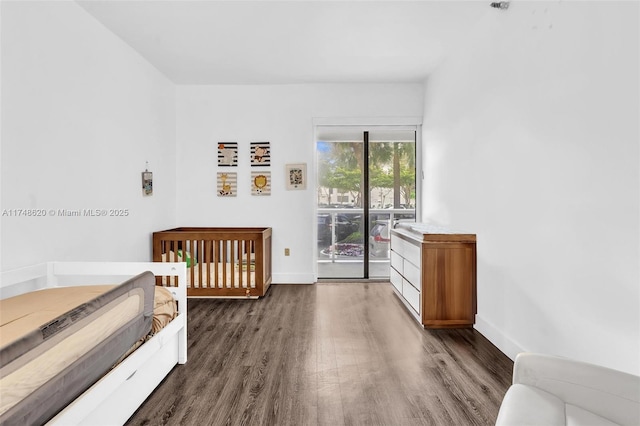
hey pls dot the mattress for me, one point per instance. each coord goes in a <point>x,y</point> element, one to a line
<point>227,272</point>
<point>55,343</point>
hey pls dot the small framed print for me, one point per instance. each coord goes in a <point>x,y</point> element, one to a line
<point>147,183</point>
<point>260,154</point>
<point>227,184</point>
<point>228,154</point>
<point>296,176</point>
<point>260,183</point>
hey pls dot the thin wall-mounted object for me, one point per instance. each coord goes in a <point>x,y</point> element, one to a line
<point>147,182</point>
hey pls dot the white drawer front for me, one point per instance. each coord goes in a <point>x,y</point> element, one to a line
<point>412,253</point>
<point>396,279</point>
<point>412,274</point>
<point>131,394</point>
<point>396,262</point>
<point>406,250</point>
<point>396,245</point>
<point>411,295</point>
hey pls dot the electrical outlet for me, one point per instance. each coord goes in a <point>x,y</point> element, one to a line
<point>287,252</point>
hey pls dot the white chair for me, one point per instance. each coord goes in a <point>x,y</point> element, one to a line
<point>549,390</point>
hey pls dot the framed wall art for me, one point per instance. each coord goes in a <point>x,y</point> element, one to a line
<point>147,183</point>
<point>260,183</point>
<point>228,154</point>
<point>227,184</point>
<point>260,154</point>
<point>296,176</point>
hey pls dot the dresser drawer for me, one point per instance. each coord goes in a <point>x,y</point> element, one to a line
<point>406,249</point>
<point>411,295</point>
<point>412,253</point>
<point>412,274</point>
<point>396,262</point>
<point>398,245</point>
<point>396,279</point>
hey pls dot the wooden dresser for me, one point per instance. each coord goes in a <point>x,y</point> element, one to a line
<point>433,272</point>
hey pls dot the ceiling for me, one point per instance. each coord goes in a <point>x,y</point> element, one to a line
<point>282,42</point>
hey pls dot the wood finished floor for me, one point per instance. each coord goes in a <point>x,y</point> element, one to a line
<point>326,354</point>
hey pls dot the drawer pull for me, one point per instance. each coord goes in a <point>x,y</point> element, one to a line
<point>132,374</point>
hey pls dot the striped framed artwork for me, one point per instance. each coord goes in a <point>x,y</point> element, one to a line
<point>260,183</point>
<point>228,154</point>
<point>260,154</point>
<point>227,184</point>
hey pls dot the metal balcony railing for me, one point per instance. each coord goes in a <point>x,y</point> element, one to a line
<point>336,225</point>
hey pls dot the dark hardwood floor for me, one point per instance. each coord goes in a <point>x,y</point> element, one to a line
<point>326,354</point>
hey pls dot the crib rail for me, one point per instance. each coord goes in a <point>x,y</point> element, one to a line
<point>223,262</point>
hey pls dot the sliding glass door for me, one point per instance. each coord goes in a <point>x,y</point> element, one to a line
<point>366,184</point>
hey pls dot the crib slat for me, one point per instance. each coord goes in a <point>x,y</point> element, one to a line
<point>200,262</point>
<point>232,262</point>
<point>241,277</point>
<point>172,256</point>
<point>243,264</point>
<point>241,259</point>
<point>213,269</point>
<point>256,262</point>
<point>157,257</point>
<point>207,260</point>
<point>185,251</point>
<point>224,262</point>
<point>193,245</point>
<point>176,244</point>
<point>236,260</point>
<point>248,262</point>
<point>166,250</point>
<point>216,263</point>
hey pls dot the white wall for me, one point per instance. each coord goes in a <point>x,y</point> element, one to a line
<point>81,113</point>
<point>531,134</point>
<point>282,115</point>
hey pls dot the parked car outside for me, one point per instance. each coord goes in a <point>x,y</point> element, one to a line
<point>379,239</point>
<point>345,225</point>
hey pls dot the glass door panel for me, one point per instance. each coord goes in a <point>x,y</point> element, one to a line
<point>340,212</point>
<point>392,189</point>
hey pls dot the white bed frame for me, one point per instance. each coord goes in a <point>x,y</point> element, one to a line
<point>117,395</point>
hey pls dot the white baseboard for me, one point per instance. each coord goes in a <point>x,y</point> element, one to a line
<point>292,279</point>
<point>496,336</point>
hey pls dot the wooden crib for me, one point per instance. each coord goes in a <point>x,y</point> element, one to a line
<point>221,262</point>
